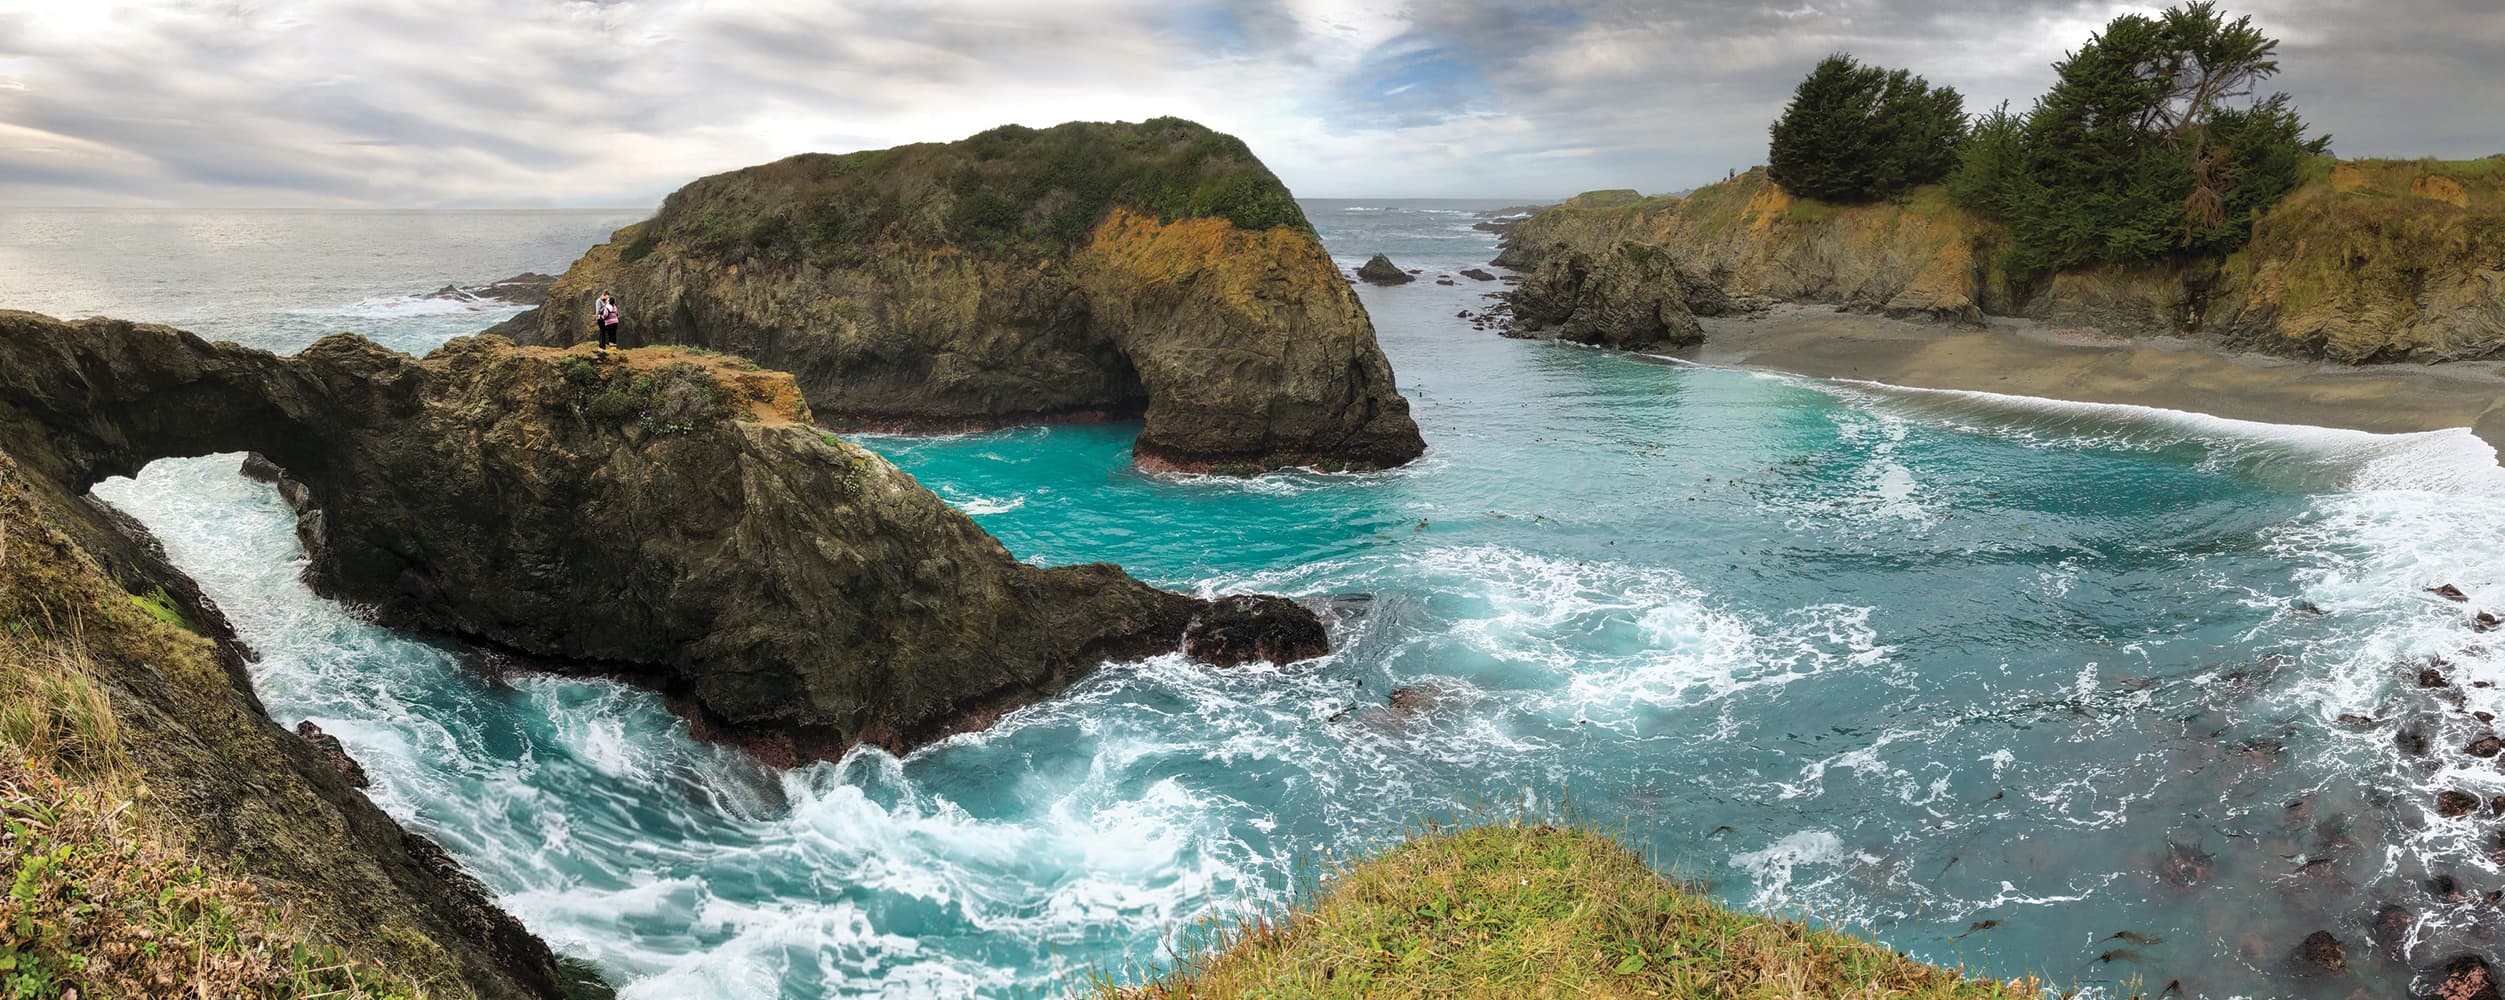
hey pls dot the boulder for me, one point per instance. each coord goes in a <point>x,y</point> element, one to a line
<point>1476,274</point>
<point>2449,592</point>
<point>1381,271</point>
<point>1247,627</point>
<point>1152,271</point>
<point>2454,802</point>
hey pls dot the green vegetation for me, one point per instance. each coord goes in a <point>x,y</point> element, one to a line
<point>2145,149</point>
<point>1519,911</point>
<point>2136,154</point>
<point>94,911</point>
<point>1856,133</point>
<point>1006,189</point>
<point>674,399</point>
<point>160,606</point>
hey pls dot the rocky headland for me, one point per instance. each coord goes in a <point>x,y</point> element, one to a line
<point>662,516</point>
<point>198,843</point>
<point>1154,271</point>
<point>2369,262</point>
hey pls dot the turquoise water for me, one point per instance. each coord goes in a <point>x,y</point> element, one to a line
<point>1907,661</point>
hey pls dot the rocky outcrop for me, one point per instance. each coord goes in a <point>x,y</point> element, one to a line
<point>1631,296</point>
<point>1748,238</point>
<point>528,288</point>
<point>664,517</point>
<point>2378,260</point>
<point>1153,271</point>
<point>197,761</point>
<point>1379,270</point>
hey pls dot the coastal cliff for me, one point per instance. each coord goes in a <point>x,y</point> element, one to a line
<point>167,837</point>
<point>1155,271</point>
<point>2369,260</point>
<point>664,517</point>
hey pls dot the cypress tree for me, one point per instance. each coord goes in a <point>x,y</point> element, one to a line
<point>1859,133</point>
<point>2135,154</point>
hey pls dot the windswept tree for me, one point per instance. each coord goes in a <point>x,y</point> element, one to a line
<point>1860,133</point>
<point>2140,150</point>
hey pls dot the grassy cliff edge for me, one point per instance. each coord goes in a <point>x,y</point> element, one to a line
<point>1538,911</point>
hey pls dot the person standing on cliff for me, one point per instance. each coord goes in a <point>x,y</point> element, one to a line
<point>608,311</point>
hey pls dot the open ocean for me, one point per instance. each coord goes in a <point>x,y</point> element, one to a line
<point>1955,670</point>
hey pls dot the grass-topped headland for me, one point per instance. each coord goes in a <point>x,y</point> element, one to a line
<point>1011,188</point>
<point>1504,911</point>
<point>1087,271</point>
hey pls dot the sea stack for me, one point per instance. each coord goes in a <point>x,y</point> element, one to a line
<point>1381,271</point>
<point>1153,271</point>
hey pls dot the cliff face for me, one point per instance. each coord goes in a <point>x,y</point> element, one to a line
<point>1631,296</point>
<point>1090,270</point>
<point>118,678</point>
<point>1752,240</point>
<point>2373,260</point>
<point>664,517</point>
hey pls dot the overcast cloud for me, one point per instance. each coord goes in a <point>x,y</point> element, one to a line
<point>571,102</point>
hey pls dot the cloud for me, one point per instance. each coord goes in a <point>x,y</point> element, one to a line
<point>488,102</point>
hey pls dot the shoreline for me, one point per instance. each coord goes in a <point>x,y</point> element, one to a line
<point>2025,358</point>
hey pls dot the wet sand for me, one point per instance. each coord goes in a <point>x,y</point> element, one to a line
<point>2023,358</point>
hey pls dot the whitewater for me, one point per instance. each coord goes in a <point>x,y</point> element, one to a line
<point>1956,670</point>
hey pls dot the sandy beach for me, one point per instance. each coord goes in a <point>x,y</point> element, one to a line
<point>2024,358</point>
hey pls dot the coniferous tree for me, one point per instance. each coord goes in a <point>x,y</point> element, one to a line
<point>2136,154</point>
<point>1858,133</point>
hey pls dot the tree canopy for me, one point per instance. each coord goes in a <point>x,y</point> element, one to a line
<point>2140,150</point>
<point>1860,133</point>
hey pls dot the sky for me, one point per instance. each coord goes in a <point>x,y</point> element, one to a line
<point>545,103</point>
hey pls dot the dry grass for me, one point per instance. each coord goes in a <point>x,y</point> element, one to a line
<point>104,897</point>
<point>94,910</point>
<point>1538,911</point>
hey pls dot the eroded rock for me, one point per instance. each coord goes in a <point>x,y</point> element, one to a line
<point>1245,628</point>
<point>1631,296</point>
<point>987,282</point>
<point>663,518</point>
<point>331,750</point>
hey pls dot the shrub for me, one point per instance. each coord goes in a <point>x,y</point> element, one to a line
<point>1859,133</point>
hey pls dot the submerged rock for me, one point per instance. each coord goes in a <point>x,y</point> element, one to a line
<point>2462,977</point>
<point>2185,866</point>
<point>2454,802</point>
<point>1152,271</point>
<point>1381,271</point>
<point>1477,274</point>
<point>665,518</point>
<point>2319,953</point>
